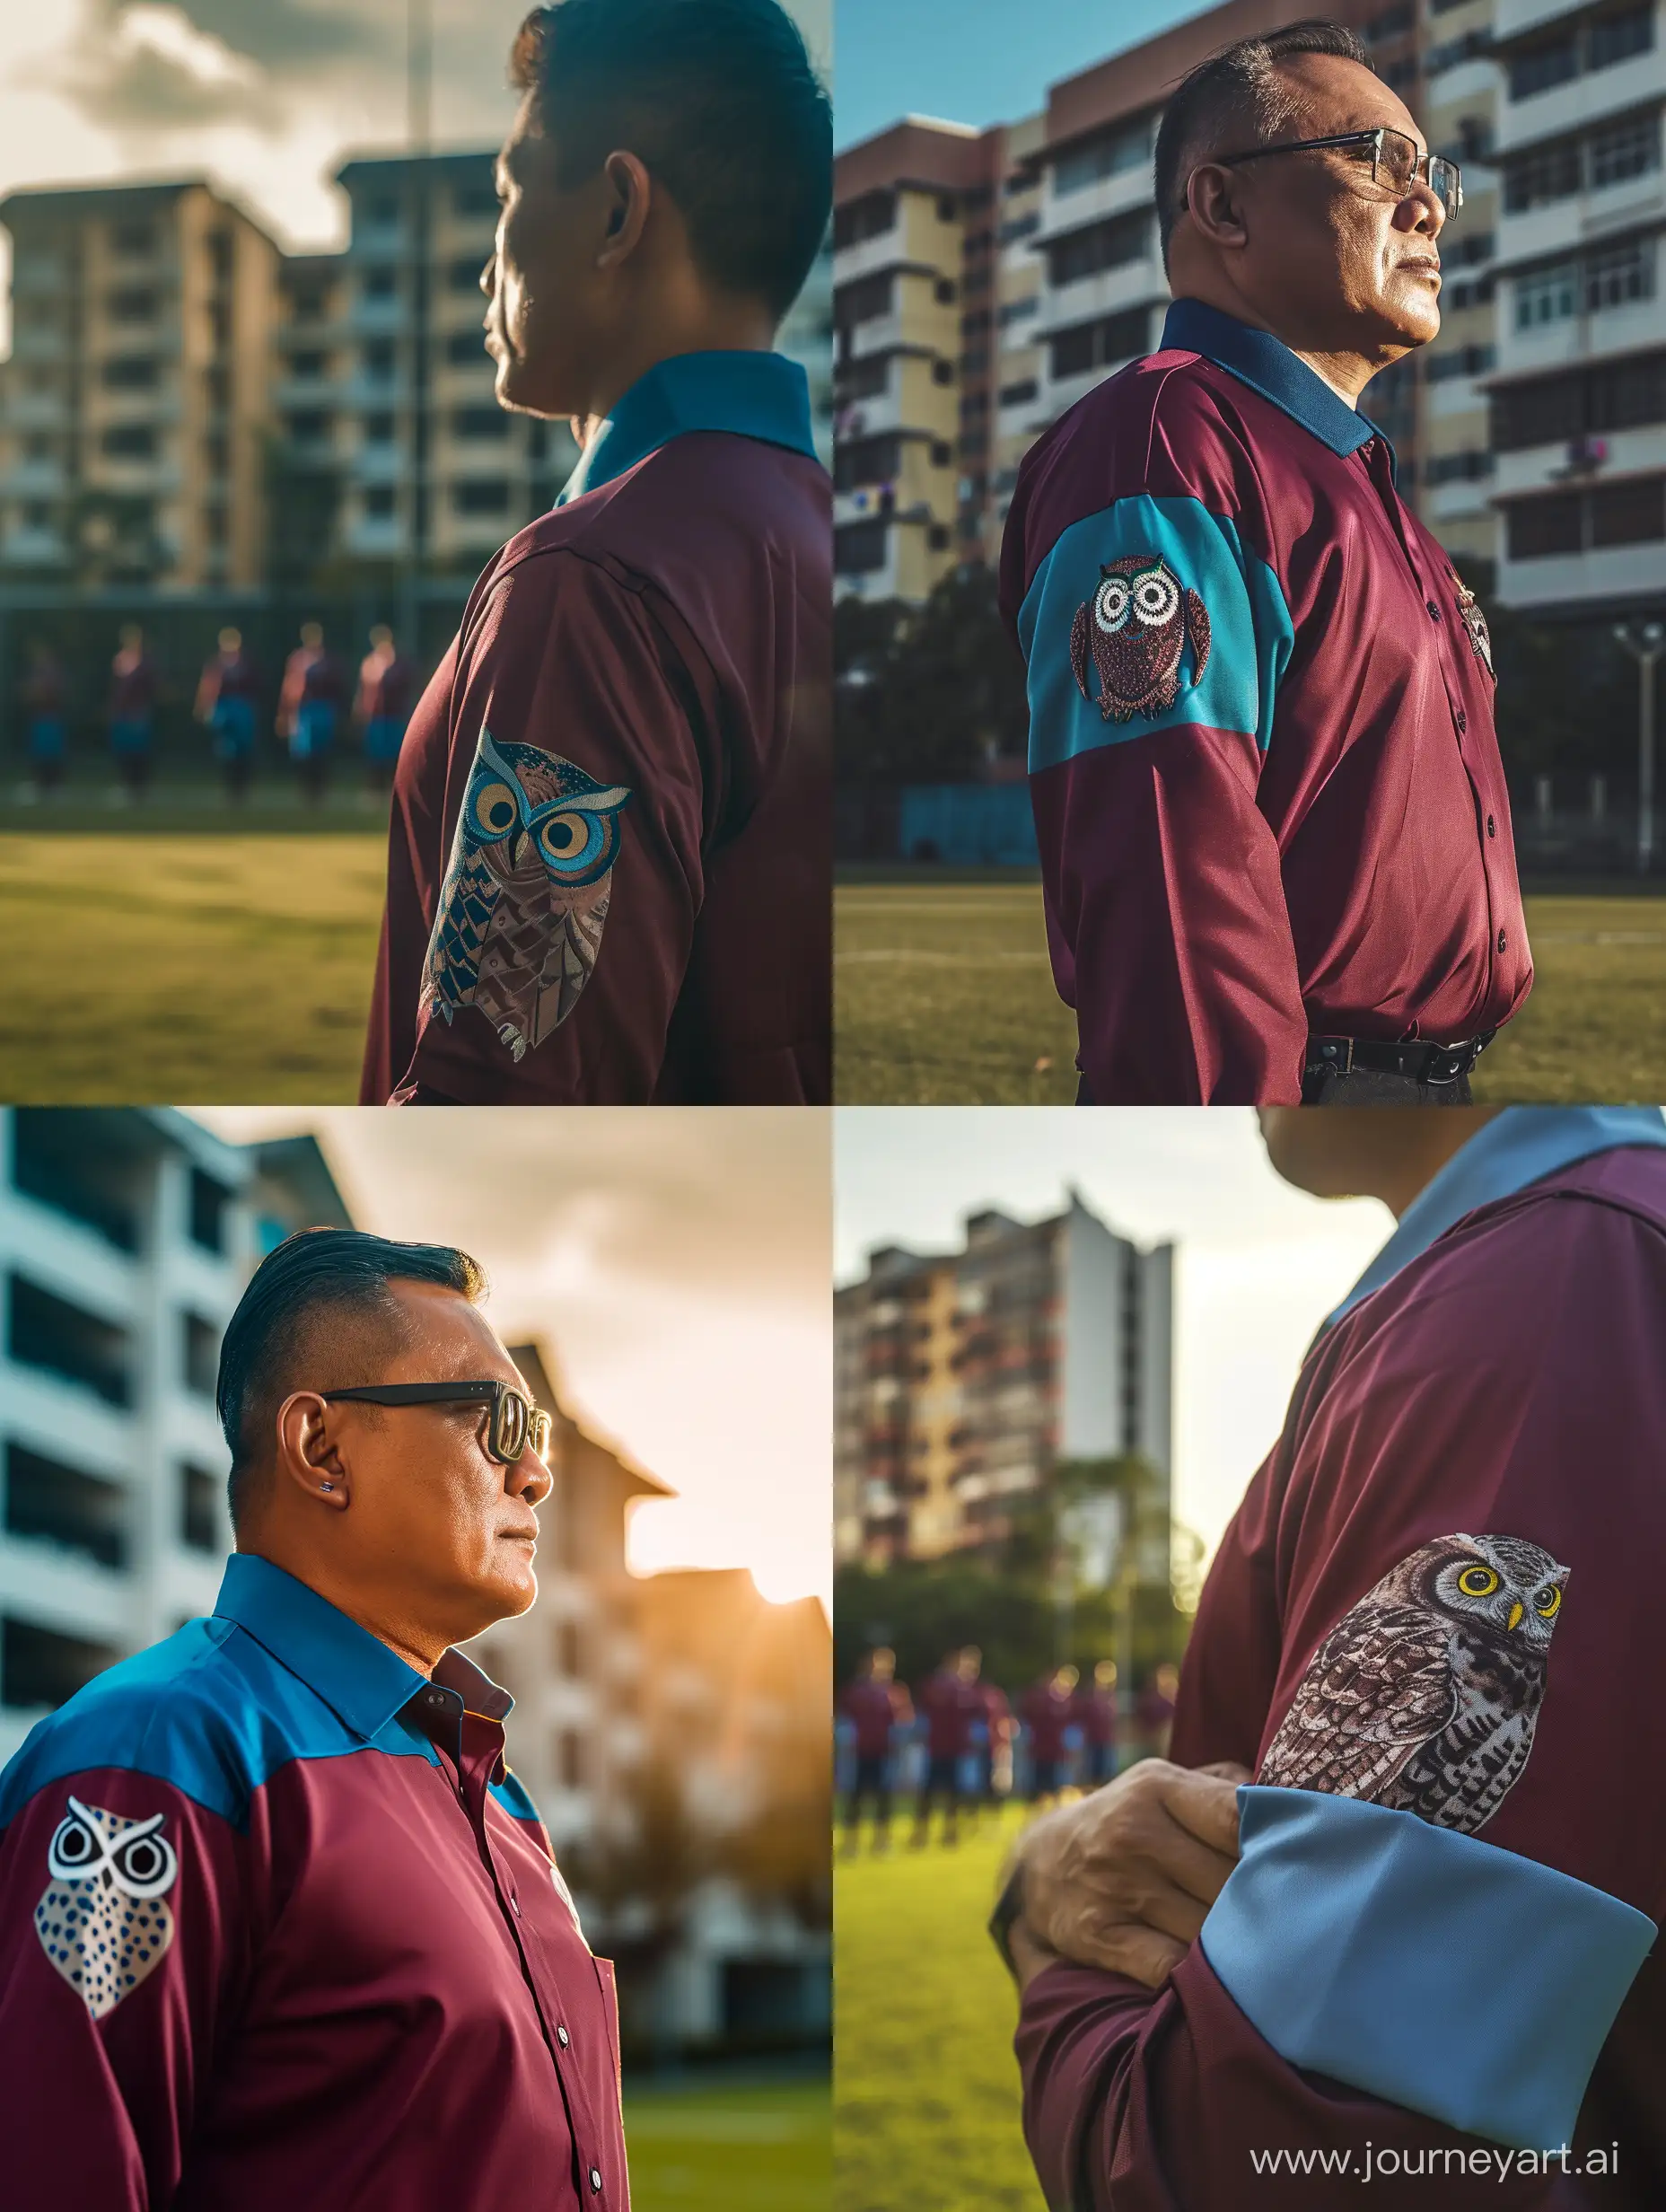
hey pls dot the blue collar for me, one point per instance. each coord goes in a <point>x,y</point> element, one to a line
<point>752,395</point>
<point>1523,1145</point>
<point>353,1671</point>
<point>1267,365</point>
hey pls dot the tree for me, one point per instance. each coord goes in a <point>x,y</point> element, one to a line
<point>926,694</point>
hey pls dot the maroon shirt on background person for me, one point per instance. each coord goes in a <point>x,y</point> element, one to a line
<point>1303,827</point>
<point>1046,1714</point>
<point>873,1710</point>
<point>657,651</point>
<point>1506,1378</point>
<point>951,1705</point>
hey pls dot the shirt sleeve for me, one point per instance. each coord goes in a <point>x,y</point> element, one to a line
<point>581,792</point>
<point>1449,1883</point>
<point>120,1942</point>
<point>1154,641</point>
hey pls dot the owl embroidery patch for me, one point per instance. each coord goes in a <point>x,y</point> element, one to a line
<point>1475,625</point>
<point>1426,1695</point>
<point>102,1921</point>
<point>519,925</point>
<point>1134,630</point>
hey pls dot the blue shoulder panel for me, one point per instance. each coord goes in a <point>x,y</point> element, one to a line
<point>209,1711</point>
<point>1206,640</point>
<point>1432,1970</point>
<point>515,1798</point>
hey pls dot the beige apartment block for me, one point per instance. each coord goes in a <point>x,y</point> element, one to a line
<point>136,399</point>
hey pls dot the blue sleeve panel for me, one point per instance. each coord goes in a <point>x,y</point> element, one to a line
<point>1231,686</point>
<point>1432,1970</point>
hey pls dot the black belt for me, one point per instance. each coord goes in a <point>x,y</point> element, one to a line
<point>1418,1063</point>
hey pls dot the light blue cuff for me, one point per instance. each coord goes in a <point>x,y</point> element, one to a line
<point>1432,1970</point>
<point>1250,634</point>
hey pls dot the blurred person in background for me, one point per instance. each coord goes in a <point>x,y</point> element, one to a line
<point>950,1703</point>
<point>45,702</point>
<point>1096,1717</point>
<point>383,706</point>
<point>1048,1713</point>
<point>279,1927</point>
<point>876,1705</point>
<point>130,713</point>
<point>609,856</point>
<point>226,702</point>
<point>309,708</point>
<point>993,1744</point>
<point>1154,1710</point>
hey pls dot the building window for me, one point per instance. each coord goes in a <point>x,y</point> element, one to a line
<point>379,361</point>
<point>1459,360</point>
<point>862,302</point>
<point>942,372</point>
<point>1541,66</point>
<point>465,275</point>
<point>946,209</point>
<point>1020,227</point>
<point>134,305</point>
<point>135,240</point>
<point>861,461</point>
<point>66,1342</point>
<point>1617,37</point>
<point>383,212</point>
<point>871,216</point>
<point>378,502</point>
<point>1628,513</point>
<point>570,1758</point>
<point>380,284</point>
<point>60,1505</point>
<point>859,548</point>
<point>1107,155</point>
<point>568,1651</point>
<point>1622,395</point>
<point>131,373</point>
<point>479,422</point>
<point>465,346</point>
<point>1625,149</point>
<point>199,1355</point>
<point>943,453</point>
<point>199,1520</point>
<point>1617,276</point>
<point>214,528</point>
<point>210,1201</point>
<point>1107,245</point>
<point>379,430</point>
<point>481,495</point>
<point>475,200</point>
<point>937,540</point>
<point>310,426</point>
<point>129,441</point>
<point>1535,528</point>
<point>1097,345</point>
<point>1019,394</point>
<point>40,1667</point>
<point>216,453</point>
<point>309,305</point>
<point>307,368</point>
<point>1548,173</point>
<point>1463,466</point>
<point>942,292</point>
<point>864,378</point>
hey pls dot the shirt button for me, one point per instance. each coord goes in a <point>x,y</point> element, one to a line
<point>437,1697</point>
<point>514,1907</point>
<point>1463,722</point>
<point>563,2038</point>
<point>1501,940</point>
<point>1434,612</point>
<point>595,2181</point>
<point>1492,827</point>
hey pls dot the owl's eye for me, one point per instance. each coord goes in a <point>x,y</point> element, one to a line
<point>1478,1582</point>
<point>1110,603</point>
<point>1548,1603</point>
<point>495,810</point>
<point>571,839</point>
<point>146,1865</point>
<point>73,1845</point>
<point>1156,598</point>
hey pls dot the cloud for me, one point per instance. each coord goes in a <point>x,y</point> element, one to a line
<point>151,69</point>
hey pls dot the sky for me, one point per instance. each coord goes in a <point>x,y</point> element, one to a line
<point>974,61</point>
<point>677,1264</point>
<point>1259,1264</point>
<point>267,96</point>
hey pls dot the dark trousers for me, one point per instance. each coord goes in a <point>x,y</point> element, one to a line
<point>1366,1086</point>
<point>871,1786</point>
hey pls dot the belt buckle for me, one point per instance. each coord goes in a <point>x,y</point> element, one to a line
<point>1447,1063</point>
<point>1330,1061</point>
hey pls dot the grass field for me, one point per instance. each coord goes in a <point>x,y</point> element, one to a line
<point>925,2114</point>
<point>175,966</point>
<point>944,996</point>
<point>723,2146</point>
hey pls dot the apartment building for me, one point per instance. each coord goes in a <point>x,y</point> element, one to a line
<point>137,397</point>
<point>985,281</point>
<point>1578,394</point>
<point>960,1379</point>
<point>126,1235</point>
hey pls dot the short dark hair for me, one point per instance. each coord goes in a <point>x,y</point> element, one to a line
<point>1240,85</point>
<point>337,1276</point>
<point>719,100</point>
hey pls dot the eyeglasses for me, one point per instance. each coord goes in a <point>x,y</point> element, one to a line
<point>517,1423</point>
<point>1395,162</point>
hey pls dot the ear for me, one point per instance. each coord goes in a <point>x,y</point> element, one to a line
<point>629,193</point>
<point>1213,201</point>
<point>309,1450</point>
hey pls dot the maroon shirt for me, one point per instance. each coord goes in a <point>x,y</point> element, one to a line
<point>1046,1714</point>
<point>874,1709</point>
<point>610,870</point>
<point>950,1707</point>
<point>338,1973</point>
<point>1096,1715</point>
<point>1267,793</point>
<point>131,686</point>
<point>1507,1378</point>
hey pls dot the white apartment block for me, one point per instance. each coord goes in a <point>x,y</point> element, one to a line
<point>1579,395</point>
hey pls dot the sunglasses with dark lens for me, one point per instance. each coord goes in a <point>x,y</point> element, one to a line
<point>517,1423</point>
<point>1395,162</point>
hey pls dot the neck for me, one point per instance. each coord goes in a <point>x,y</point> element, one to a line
<point>379,1614</point>
<point>707,326</point>
<point>1405,1170</point>
<point>1343,370</point>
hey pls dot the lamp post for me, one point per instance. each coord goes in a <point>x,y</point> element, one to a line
<point>419,136</point>
<point>1645,641</point>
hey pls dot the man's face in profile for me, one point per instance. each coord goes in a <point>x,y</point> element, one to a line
<point>541,284</point>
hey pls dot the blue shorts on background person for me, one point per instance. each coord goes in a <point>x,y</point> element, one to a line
<point>314,730</point>
<point>233,722</point>
<point>132,735</point>
<point>46,737</point>
<point>384,736</point>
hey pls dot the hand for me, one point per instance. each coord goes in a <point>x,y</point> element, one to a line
<point>1123,1878</point>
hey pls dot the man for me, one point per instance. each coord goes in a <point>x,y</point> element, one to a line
<point>226,701</point>
<point>277,1925</point>
<point>1049,1715</point>
<point>45,702</point>
<point>1419,1942</point>
<point>1155,1710</point>
<point>1274,829</point>
<point>130,712</point>
<point>949,1705</point>
<point>875,1705</point>
<point>309,707</point>
<point>1096,1715</point>
<point>609,859</point>
<point>383,706</point>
